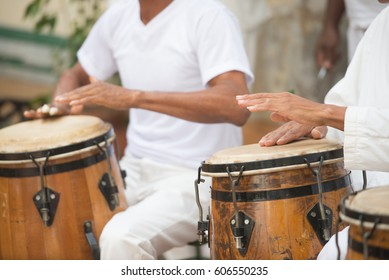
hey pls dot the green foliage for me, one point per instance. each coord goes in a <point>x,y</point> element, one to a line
<point>87,12</point>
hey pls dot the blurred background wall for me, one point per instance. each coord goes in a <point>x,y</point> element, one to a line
<point>279,36</point>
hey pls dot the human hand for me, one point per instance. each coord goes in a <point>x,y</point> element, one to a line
<point>285,107</point>
<point>52,110</point>
<point>291,131</point>
<point>327,53</point>
<point>98,93</point>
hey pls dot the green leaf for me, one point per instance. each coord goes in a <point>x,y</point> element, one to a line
<point>32,9</point>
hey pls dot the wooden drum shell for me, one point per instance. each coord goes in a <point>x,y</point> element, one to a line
<point>367,213</point>
<point>282,229</point>
<point>23,235</point>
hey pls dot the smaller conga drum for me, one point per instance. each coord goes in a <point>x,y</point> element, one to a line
<point>275,202</point>
<point>60,183</point>
<point>367,212</point>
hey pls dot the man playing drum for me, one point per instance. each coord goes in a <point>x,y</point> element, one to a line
<point>181,62</point>
<point>357,107</point>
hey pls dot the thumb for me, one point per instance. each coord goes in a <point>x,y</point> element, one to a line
<point>319,132</point>
<point>93,79</point>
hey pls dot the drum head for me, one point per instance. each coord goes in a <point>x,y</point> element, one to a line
<point>256,157</point>
<point>44,134</point>
<point>368,205</point>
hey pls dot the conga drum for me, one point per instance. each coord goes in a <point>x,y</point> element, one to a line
<point>60,183</point>
<point>367,212</point>
<point>275,202</point>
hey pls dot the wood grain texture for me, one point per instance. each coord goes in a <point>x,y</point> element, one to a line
<point>282,230</point>
<point>22,232</point>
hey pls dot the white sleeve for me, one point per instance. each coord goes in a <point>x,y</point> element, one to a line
<point>220,46</point>
<point>366,138</point>
<point>95,55</point>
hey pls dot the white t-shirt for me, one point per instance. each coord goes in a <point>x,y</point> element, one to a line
<point>180,50</point>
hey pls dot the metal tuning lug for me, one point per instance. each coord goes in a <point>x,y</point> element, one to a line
<point>46,201</point>
<point>322,226</point>
<point>242,230</point>
<point>90,237</point>
<point>109,190</point>
<point>202,226</point>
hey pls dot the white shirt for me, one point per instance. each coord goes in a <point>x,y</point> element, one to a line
<point>180,50</point>
<point>361,13</point>
<point>365,90</point>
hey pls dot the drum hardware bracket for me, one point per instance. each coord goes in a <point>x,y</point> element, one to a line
<point>90,237</point>
<point>367,235</point>
<point>364,179</point>
<point>242,233</point>
<point>322,221</point>
<point>123,173</point>
<point>107,183</point>
<point>318,223</point>
<point>337,234</point>
<point>46,208</point>
<point>237,229</point>
<point>45,200</point>
<point>109,190</point>
<point>202,226</point>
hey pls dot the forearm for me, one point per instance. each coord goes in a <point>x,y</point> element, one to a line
<point>214,105</point>
<point>334,13</point>
<point>71,79</point>
<point>333,116</point>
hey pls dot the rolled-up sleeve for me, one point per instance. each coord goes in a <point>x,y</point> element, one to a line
<point>366,138</point>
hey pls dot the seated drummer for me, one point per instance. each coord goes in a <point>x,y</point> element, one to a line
<point>181,63</point>
<point>356,109</point>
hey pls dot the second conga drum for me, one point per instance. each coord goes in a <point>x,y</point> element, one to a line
<point>275,202</point>
<point>367,212</point>
<point>60,183</point>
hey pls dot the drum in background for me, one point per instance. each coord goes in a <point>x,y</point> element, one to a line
<point>275,202</point>
<point>60,183</point>
<point>367,212</point>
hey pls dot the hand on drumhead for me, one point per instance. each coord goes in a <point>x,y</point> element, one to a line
<point>291,131</point>
<point>51,110</point>
<point>99,93</point>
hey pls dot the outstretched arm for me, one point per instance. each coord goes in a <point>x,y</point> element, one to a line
<point>215,104</point>
<point>304,117</point>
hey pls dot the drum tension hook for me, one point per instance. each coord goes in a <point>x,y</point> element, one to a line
<point>90,237</point>
<point>202,226</point>
<point>320,216</point>
<point>45,200</point>
<point>367,235</point>
<point>107,183</point>
<point>241,224</point>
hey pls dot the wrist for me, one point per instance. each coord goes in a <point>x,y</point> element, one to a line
<point>334,116</point>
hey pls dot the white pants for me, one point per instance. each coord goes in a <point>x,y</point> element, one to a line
<point>162,211</point>
<point>330,251</point>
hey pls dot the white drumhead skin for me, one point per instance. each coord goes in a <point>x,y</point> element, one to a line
<point>254,152</point>
<point>43,134</point>
<point>374,201</point>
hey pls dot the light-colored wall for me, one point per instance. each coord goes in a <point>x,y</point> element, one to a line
<point>12,14</point>
<point>279,35</point>
<point>280,38</point>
